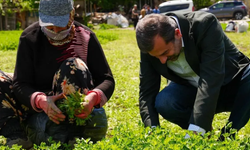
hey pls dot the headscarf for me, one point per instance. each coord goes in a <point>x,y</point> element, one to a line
<point>71,34</point>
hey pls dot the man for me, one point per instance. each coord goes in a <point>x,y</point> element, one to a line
<point>156,10</point>
<point>208,73</point>
<point>135,15</point>
<point>148,10</point>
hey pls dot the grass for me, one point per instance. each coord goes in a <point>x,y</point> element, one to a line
<point>241,40</point>
<point>9,40</point>
<point>7,60</point>
<point>126,130</point>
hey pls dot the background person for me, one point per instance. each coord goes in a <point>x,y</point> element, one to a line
<point>57,56</point>
<point>156,10</point>
<point>205,78</point>
<point>135,15</point>
<point>143,13</point>
<point>148,10</point>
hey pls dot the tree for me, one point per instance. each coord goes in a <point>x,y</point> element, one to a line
<point>203,3</point>
<point>158,2</point>
<point>112,5</point>
<point>21,7</point>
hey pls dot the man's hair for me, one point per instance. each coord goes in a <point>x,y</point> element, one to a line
<point>152,25</point>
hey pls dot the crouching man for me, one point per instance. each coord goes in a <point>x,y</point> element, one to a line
<point>208,73</point>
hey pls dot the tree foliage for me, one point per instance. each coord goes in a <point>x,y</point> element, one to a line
<point>113,5</point>
<point>18,5</point>
<point>203,3</point>
<point>101,5</point>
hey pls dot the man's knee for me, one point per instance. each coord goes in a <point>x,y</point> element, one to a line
<point>169,107</point>
<point>165,106</point>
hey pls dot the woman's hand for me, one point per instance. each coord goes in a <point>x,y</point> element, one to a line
<point>88,105</point>
<point>47,103</point>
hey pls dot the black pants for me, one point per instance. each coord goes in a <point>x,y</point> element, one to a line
<point>135,21</point>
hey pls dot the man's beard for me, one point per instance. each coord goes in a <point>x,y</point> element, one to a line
<point>177,44</point>
<point>173,57</point>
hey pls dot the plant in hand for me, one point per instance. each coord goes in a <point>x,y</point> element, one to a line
<point>2,140</point>
<point>71,105</point>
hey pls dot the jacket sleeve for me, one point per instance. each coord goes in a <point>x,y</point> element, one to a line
<point>99,67</point>
<point>149,88</point>
<point>212,71</point>
<point>23,79</point>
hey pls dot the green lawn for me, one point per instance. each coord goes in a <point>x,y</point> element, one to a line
<point>126,130</point>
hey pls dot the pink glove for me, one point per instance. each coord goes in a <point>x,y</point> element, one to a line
<point>47,104</point>
<point>92,99</point>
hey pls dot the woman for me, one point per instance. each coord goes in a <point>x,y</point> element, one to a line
<point>57,57</point>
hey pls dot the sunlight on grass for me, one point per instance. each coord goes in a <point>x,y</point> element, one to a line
<point>7,61</point>
<point>126,131</point>
<point>9,40</point>
<point>123,57</point>
<point>241,40</point>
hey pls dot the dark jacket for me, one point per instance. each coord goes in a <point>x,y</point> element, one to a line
<point>211,55</point>
<point>38,60</point>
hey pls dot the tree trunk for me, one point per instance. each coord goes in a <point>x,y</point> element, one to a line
<point>6,22</point>
<point>23,19</point>
<point>1,24</point>
<point>247,2</point>
<point>157,2</point>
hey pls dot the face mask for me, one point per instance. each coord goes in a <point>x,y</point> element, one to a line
<point>56,36</point>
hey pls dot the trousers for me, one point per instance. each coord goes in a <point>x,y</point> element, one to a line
<point>175,102</point>
<point>15,120</point>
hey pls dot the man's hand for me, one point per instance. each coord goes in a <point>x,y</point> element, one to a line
<point>88,105</point>
<point>47,104</point>
<point>152,129</point>
<point>187,136</point>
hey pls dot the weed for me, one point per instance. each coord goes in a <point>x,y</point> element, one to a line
<point>71,105</point>
<point>126,131</point>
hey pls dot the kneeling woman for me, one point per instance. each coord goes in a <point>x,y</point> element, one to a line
<point>56,56</point>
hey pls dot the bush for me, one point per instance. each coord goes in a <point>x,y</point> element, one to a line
<point>9,40</point>
<point>105,36</point>
<point>104,26</point>
<point>91,26</point>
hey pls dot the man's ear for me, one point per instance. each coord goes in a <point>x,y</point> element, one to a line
<point>178,34</point>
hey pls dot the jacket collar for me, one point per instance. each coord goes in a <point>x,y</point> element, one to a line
<point>190,49</point>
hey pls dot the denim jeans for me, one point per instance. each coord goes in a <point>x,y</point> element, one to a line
<point>175,102</point>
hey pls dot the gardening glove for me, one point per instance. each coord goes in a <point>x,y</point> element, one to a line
<point>47,104</point>
<point>92,99</point>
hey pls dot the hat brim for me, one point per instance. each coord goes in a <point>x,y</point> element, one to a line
<point>59,21</point>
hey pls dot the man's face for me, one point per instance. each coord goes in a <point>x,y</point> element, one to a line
<point>167,52</point>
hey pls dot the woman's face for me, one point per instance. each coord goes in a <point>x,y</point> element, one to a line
<point>56,29</point>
